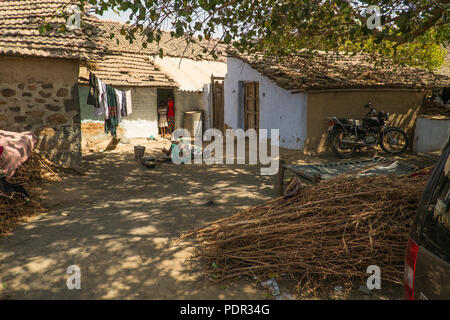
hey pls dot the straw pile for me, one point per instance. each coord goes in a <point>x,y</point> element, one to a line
<point>333,230</point>
<point>14,208</point>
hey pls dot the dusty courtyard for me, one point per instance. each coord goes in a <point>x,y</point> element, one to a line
<point>117,223</point>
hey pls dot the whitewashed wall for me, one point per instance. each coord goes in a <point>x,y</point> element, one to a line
<point>279,109</point>
<point>430,134</point>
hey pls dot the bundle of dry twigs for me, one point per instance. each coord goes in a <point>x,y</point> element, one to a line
<point>332,230</point>
<point>37,169</point>
<point>14,208</point>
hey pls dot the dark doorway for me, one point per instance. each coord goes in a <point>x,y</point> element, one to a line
<point>162,96</point>
<point>218,100</point>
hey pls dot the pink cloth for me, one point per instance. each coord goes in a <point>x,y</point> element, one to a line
<point>17,148</point>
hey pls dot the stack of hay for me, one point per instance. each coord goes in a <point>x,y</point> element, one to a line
<point>14,208</point>
<point>329,231</point>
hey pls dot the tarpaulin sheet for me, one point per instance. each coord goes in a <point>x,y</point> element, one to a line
<point>17,148</point>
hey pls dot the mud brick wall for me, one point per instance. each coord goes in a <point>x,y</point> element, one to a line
<point>41,95</point>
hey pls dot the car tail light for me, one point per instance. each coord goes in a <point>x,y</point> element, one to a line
<point>410,269</point>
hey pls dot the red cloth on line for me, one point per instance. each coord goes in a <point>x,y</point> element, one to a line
<point>17,148</point>
<point>171,112</point>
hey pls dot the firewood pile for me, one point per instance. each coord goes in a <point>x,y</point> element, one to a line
<point>329,231</point>
<point>14,207</point>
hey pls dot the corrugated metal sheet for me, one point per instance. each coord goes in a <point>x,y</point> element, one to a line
<point>368,167</point>
<point>191,75</point>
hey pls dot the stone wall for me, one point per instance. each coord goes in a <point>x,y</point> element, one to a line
<point>41,95</point>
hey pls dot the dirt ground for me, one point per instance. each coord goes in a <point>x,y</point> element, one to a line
<point>117,223</point>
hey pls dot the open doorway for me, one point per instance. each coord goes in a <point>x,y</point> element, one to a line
<point>163,96</point>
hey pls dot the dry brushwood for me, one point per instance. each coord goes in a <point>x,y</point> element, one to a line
<point>35,170</point>
<point>333,230</point>
<point>13,207</point>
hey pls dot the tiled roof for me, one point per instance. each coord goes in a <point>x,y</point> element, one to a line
<point>128,69</point>
<point>19,31</point>
<point>130,64</point>
<point>304,72</point>
<point>172,47</point>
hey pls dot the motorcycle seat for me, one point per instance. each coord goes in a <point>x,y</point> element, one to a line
<point>352,122</point>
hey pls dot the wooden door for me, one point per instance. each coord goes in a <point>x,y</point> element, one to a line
<point>218,98</point>
<point>251,105</point>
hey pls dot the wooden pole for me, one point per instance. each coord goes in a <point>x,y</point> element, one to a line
<point>280,182</point>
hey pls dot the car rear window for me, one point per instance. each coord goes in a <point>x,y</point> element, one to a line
<point>436,226</point>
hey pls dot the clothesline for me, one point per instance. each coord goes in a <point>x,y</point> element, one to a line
<point>112,103</point>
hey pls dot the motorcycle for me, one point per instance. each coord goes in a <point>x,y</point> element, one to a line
<point>346,136</point>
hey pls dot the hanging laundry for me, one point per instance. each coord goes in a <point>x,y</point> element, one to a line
<point>124,104</point>
<point>119,103</point>
<point>129,105</point>
<point>103,100</point>
<point>92,98</point>
<point>112,103</point>
<point>113,115</point>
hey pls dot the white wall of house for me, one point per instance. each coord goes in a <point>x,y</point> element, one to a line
<point>143,121</point>
<point>279,109</point>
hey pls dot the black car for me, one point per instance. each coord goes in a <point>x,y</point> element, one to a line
<point>427,265</point>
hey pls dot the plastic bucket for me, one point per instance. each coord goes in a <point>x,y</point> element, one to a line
<point>139,152</point>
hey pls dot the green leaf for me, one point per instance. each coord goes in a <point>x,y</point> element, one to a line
<point>179,31</point>
<point>198,26</point>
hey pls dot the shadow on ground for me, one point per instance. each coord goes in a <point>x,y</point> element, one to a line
<point>117,223</point>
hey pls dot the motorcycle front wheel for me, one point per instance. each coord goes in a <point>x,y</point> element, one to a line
<point>342,150</point>
<point>394,141</point>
